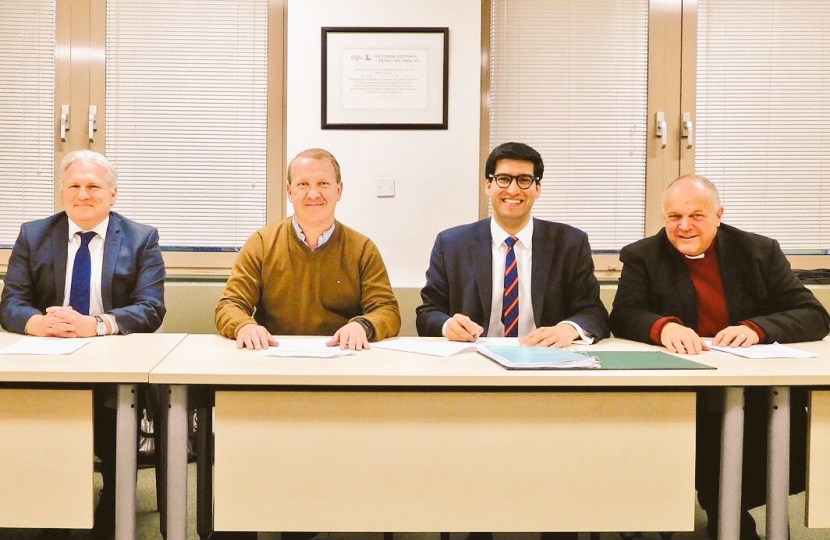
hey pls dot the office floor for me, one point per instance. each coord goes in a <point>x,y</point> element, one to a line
<point>147,522</point>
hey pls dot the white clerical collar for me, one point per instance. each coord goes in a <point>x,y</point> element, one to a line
<point>702,255</point>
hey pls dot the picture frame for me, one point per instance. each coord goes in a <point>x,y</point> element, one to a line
<point>392,78</point>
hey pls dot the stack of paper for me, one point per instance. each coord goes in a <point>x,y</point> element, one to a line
<point>538,357</point>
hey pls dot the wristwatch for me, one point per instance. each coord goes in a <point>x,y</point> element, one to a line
<point>367,327</point>
<point>100,326</point>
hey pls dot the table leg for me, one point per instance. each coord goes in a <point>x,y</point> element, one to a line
<point>177,463</point>
<point>731,464</point>
<point>778,464</point>
<point>126,462</point>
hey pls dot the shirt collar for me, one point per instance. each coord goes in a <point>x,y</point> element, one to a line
<point>709,251</point>
<point>320,241</point>
<point>100,229</point>
<point>525,235</point>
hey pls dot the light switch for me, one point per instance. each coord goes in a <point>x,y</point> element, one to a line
<point>385,186</point>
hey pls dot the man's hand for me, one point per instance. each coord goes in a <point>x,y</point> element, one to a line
<point>736,336</point>
<point>681,339</point>
<point>350,336</point>
<point>561,335</point>
<point>61,321</point>
<point>462,328</point>
<point>254,336</point>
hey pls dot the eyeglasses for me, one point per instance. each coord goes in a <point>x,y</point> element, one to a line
<point>524,181</point>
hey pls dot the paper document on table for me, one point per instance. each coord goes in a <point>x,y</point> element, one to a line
<point>432,348</point>
<point>306,348</point>
<point>45,345</point>
<point>539,357</point>
<point>774,350</point>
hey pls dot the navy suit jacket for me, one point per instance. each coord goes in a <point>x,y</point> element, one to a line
<point>132,277</point>
<point>563,285</point>
<point>757,280</point>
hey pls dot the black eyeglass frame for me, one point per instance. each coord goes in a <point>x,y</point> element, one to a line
<point>495,178</point>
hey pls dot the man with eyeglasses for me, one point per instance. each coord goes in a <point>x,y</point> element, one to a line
<point>513,275</point>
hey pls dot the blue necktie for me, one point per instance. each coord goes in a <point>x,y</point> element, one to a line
<point>510,305</point>
<point>81,275</point>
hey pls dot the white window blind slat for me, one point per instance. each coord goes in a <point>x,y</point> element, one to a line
<point>763,111</point>
<point>27,113</point>
<point>186,117</point>
<point>581,103</point>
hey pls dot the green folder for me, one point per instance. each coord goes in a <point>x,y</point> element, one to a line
<point>644,360</point>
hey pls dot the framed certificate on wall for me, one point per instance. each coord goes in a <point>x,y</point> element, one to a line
<point>384,78</point>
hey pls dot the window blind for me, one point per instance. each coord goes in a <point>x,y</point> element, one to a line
<point>763,116</point>
<point>569,78</point>
<point>27,113</point>
<point>186,117</point>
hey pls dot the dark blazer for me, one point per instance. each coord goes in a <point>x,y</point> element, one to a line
<point>757,280</point>
<point>132,275</point>
<point>563,285</point>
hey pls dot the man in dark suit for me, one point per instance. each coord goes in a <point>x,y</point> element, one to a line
<point>468,289</point>
<point>86,272</point>
<point>698,277</point>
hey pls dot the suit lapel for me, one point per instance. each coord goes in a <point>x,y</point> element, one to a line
<point>540,271</point>
<point>111,249</point>
<point>60,247</point>
<point>481,253</point>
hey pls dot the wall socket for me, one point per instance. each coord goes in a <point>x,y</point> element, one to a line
<point>385,186</point>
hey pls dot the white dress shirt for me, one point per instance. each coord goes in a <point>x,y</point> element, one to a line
<point>96,255</point>
<point>523,250</point>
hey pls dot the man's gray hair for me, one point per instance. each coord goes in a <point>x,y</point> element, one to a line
<point>91,157</point>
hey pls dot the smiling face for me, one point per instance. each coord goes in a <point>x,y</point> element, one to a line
<point>86,194</point>
<point>512,205</point>
<point>314,192</point>
<point>691,215</point>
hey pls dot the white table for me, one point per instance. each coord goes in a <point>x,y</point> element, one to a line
<point>46,419</point>
<point>424,441</point>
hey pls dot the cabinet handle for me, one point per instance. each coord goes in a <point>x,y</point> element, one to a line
<point>93,122</point>
<point>687,130</point>
<point>660,128</point>
<point>64,121</point>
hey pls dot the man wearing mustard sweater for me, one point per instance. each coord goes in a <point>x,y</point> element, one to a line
<point>309,274</point>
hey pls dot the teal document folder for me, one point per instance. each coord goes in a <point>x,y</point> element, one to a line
<point>644,360</point>
<point>513,357</point>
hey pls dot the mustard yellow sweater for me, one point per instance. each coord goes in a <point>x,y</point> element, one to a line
<point>279,283</point>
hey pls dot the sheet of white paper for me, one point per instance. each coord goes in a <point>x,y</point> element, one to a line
<point>305,347</point>
<point>432,348</point>
<point>444,348</point>
<point>45,345</point>
<point>774,350</point>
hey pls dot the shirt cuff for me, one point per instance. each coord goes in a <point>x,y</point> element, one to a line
<point>444,327</point>
<point>113,326</point>
<point>586,337</point>
<point>657,328</point>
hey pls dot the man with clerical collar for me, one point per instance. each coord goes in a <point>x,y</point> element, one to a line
<point>698,280</point>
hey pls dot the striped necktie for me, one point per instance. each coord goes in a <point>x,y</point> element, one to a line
<point>81,275</point>
<point>510,305</point>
